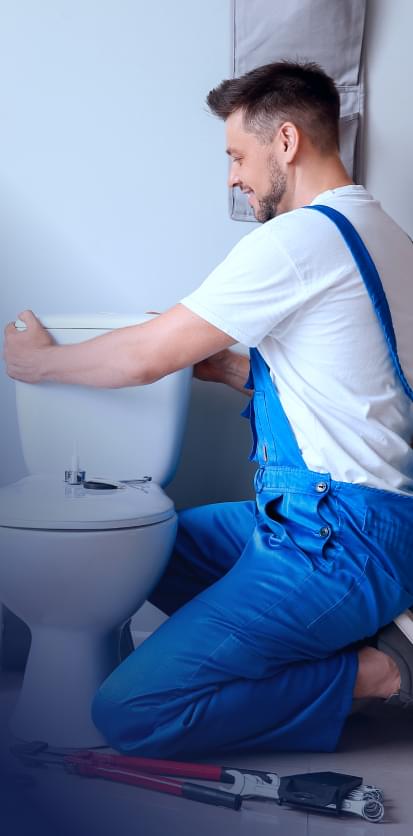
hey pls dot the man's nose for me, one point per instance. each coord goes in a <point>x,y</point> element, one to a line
<point>233,176</point>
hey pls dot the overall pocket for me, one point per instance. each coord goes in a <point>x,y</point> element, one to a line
<point>277,529</point>
<point>391,540</point>
<point>372,599</point>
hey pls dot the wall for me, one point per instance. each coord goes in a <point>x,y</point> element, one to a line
<point>389,122</point>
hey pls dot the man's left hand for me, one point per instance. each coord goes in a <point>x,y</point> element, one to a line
<point>24,350</point>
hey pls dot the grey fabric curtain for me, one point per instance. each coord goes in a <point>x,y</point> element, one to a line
<point>325,31</point>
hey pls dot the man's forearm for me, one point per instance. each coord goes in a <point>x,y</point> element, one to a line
<point>111,360</point>
<point>123,358</point>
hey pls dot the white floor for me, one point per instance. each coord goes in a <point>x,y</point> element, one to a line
<point>377,745</point>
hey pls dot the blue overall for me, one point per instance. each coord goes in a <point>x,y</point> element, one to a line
<point>267,599</point>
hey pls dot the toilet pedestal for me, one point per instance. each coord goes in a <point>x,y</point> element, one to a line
<point>75,589</point>
<point>54,705</point>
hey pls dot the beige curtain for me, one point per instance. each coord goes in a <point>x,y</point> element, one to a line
<point>329,32</point>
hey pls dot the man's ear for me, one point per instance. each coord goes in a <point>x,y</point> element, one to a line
<point>288,141</point>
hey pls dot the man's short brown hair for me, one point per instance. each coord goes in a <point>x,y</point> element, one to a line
<point>283,91</point>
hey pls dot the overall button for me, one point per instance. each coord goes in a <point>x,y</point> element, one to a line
<point>321,487</point>
<point>324,531</point>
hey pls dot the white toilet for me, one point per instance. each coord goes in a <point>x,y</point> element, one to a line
<point>78,558</point>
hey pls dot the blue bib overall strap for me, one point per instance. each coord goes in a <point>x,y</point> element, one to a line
<point>372,282</point>
<point>273,439</point>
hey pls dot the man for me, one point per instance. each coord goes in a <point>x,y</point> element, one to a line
<point>268,599</point>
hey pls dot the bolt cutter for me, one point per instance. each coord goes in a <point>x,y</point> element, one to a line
<point>322,791</point>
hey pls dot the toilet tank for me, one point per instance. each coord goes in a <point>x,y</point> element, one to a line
<point>120,434</point>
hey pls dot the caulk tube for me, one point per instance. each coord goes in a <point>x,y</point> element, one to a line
<point>75,476</point>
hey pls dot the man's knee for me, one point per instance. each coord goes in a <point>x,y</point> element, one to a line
<point>138,713</point>
<point>125,723</point>
<point>166,722</point>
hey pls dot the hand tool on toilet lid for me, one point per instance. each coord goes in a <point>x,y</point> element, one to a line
<point>324,791</point>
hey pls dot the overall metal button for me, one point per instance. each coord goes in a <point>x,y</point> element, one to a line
<point>321,487</point>
<point>324,531</point>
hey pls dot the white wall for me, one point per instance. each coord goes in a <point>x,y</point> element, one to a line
<point>389,123</point>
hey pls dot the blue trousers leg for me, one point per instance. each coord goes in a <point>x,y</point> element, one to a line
<point>209,542</point>
<point>234,668</point>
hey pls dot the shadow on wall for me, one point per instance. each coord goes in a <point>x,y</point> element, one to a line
<point>12,463</point>
<point>214,466</point>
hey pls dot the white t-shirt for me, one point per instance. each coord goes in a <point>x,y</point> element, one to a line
<point>291,288</point>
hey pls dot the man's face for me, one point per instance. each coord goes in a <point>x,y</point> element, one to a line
<point>255,169</point>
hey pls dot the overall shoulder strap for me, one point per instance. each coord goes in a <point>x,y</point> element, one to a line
<point>372,282</point>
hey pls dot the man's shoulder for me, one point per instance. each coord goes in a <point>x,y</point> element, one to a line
<point>279,228</point>
<point>302,234</point>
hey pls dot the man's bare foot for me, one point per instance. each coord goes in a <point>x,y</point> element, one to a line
<point>377,676</point>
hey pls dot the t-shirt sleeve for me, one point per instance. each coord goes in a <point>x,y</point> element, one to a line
<point>251,291</point>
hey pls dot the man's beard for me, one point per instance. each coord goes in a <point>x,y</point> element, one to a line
<point>268,205</point>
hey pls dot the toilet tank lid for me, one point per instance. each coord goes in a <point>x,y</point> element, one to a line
<point>93,321</point>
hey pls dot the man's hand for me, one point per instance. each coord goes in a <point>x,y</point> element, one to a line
<point>227,367</point>
<point>24,350</point>
<point>213,369</point>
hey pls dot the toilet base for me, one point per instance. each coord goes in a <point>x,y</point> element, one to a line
<point>75,590</point>
<point>64,670</point>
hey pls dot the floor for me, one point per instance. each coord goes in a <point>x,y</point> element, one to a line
<point>376,744</point>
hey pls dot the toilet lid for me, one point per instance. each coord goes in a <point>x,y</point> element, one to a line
<point>44,501</point>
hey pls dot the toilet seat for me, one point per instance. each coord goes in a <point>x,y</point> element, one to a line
<point>44,501</point>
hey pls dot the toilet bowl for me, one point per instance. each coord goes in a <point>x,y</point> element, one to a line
<point>77,560</point>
